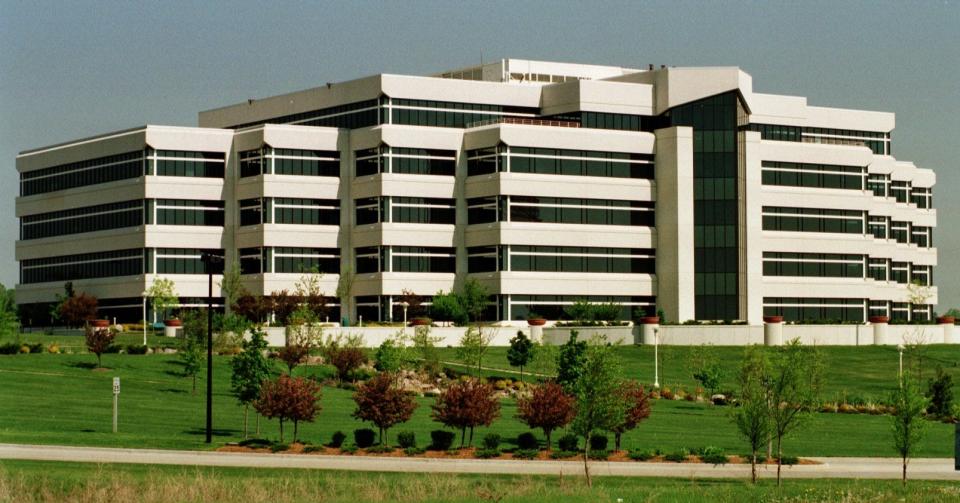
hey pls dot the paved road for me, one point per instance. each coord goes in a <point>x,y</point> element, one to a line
<point>874,468</point>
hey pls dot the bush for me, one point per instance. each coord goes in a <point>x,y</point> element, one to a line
<point>940,391</point>
<point>677,456</point>
<point>646,455</point>
<point>525,453</point>
<point>337,439</point>
<point>600,455</point>
<point>348,449</point>
<point>406,439</point>
<point>361,374</point>
<point>312,448</point>
<point>527,441</point>
<point>491,441</point>
<point>364,437</point>
<point>789,460</point>
<point>380,449</point>
<point>563,454</point>
<point>569,442</point>
<point>441,440</point>
<point>486,453</point>
<point>9,349</point>
<point>599,442</point>
<point>279,447</point>
<point>714,456</point>
<point>414,451</point>
<point>136,349</point>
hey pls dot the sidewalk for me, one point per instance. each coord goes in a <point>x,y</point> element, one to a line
<point>854,468</point>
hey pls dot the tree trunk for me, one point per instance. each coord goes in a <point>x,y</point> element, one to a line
<point>616,440</point>
<point>586,456</point>
<point>246,409</point>
<point>769,448</point>
<point>383,438</point>
<point>779,460</point>
<point>547,433</point>
<point>463,436</point>
<point>753,467</point>
<point>470,443</point>
<point>281,431</point>
<point>904,471</point>
<point>521,373</point>
<point>258,424</point>
<point>295,425</point>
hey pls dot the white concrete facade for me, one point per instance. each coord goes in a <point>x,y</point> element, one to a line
<point>546,182</point>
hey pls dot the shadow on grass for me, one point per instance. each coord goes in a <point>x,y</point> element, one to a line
<point>173,390</point>
<point>217,432</point>
<point>83,365</point>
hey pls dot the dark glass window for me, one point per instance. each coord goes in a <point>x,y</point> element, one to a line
<point>297,211</point>
<point>82,266</point>
<point>86,219</point>
<point>813,175</point>
<point>189,212</point>
<point>812,220</point>
<point>815,309</point>
<point>82,173</point>
<point>349,116</point>
<point>185,261</point>
<point>299,260</point>
<point>825,265</point>
<point>188,163</point>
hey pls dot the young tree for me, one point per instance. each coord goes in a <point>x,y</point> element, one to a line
<point>547,407</point>
<point>345,289</point>
<point>940,391</point>
<point>752,414</point>
<point>908,426</point>
<point>570,361</point>
<point>289,399</point>
<point>473,346</point>
<point>394,354</point>
<point>636,400</point>
<point>310,294</point>
<point>794,390</point>
<point>9,323</point>
<point>447,307</point>
<point>163,295</point>
<point>425,348</point>
<point>78,309</point>
<point>382,403</point>
<point>192,350</point>
<point>98,340</point>
<point>466,404</point>
<point>346,360</point>
<point>250,369</point>
<point>415,307</point>
<point>474,298</point>
<point>706,368</point>
<point>599,404</point>
<point>231,285</point>
<point>303,335</point>
<point>283,305</point>
<point>520,352</point>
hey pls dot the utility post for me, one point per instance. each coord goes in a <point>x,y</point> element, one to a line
<point>116,399</point>
<point>209,260</point>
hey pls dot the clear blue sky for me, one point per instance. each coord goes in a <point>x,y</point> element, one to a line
<point>75,69</point>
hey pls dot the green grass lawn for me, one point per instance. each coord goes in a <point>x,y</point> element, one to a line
<point>28,481</point>
<point>75,341</point>
<point>58,399</point>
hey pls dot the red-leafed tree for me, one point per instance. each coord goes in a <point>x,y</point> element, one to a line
<point>78,309</point>
<point>466,404</point>
<point>289,399</point>
<point>98,340</point>
<point>548,407</point>
<point>346,360</point>
<point>382,403</point>
<point>637,401</point>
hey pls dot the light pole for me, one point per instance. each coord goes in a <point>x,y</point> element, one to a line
<point>209,260</point>
<point>144,294</point>
<point>656,358</point>
<point>405,305</point>
<point>900,348</point>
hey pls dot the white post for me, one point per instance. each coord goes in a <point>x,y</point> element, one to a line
<point>773,330</point>
<point>656,358</point>
<point>900,372</point>
<point>405,306</point>
<point>116,397</point>
<point>144,295</point>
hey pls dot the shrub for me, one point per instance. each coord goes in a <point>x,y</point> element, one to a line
<point>414,451</point>
<point>491,441</point>
<point>348,449</point>
<point>136,349</point>
<point>714,456</point>
<point>486,453</point>
<point>600,455</point>
<point>645,455</point>
<point>525,453</point>
<point>789,460</point>
<point>289,398</point>
<point>677,456</point>
<point>406,439</point>
<point>569,442</point>
<point>441,440</point>
<point>98,340</point>
<point>941,394</point>
<point>598,442</point>
<point>382,403</point>
<point>346,360</point>
<point>466,405</point>
<point>527,441</point>
<point>563,454</point>
<point>380,449</point>
<point>548,407</point>
<point>360,374</point>
<point>9,349</point>
<point>364,437</point>
<point>279,447</point>
<point>337,439</point>
<point>313,448</point>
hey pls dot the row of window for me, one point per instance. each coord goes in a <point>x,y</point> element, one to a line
<point>287,210</point>
<point>289,260</point>
<point>878,142</point>
<point>827,176</point>
<point>116,263</point>
<point>560,259</point>
<point>409,161</point>
<point>284,161</point>
<point>411,210</point>
<point>406,259</point>
<point>813,220</point>
<point>559,210</point>
<point>187,212</point>
<point>350,116</point>
<point>840,309</point>
<point>548,161</point>
<point>82,173</point>
<point>120,215</point>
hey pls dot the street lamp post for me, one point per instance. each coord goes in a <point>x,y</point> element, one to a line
<point>405,305</point>
<point>900,372</point>
<point>656,358</point>
<point>144,294</point>
<point>209,260</point>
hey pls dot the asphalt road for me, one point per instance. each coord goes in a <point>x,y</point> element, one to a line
<point>853,468</point>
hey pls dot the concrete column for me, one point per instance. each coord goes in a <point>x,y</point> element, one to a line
<point>536,334</point>
<point>773,330</point>
<point>947,324</point>
<point>647,335</point>
<point>879,329</point>
<point>751,228</point>
<point>674,223</point>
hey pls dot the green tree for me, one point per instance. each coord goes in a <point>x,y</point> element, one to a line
<point>345,289</point>
<point>474,298</point>
<point>752,415</point>
<point>162,295</point>
<point>706,368</point>
<point>394,354</point>
<point>250,369</point>
<point>520,352</point>
<point>231,286</point>
<point>192,350</point>
<point>9,323</point>
<point>473,347</point>
<point>447,307</point>
<point>425,349</point>
<point>570,361</point>
<point>908,425</point>
<point>940,391</point>
<point>599,401</point>
<point>794,390</point>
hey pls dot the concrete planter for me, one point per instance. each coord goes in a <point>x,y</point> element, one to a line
<point>100,323</point>
<point>879,319</point>
<point>420,322</point>
<point>773,319</point>
<point>173,322</point>
<point>536,322</point>
<point>650,320</point>
<point>946,320</point>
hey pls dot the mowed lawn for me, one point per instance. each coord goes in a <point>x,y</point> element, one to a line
<point>58,399</point>
<point>30,481</point>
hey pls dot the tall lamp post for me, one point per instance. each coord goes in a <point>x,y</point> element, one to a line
<point>144,294</point>
<point>209,260</point>
<point>656,358</point>
<point>900,349</point>
<point>405,305</point>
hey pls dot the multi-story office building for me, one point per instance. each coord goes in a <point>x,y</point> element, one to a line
<point>677,189</point>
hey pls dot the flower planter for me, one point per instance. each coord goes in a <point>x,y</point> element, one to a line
<point>173,323</point>
<point>773,319</point>
<point>420,322</point>
<point>946,320</point>
<point>536,322</point>
<point>879,319</point>
<point>100,323</point>
<point>650,320</point>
